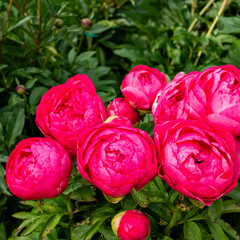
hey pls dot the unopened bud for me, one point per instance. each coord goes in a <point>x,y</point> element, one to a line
<point>20,89</point>
<point>58,23</point>
<point>131,224</point>
<point>86,23</point>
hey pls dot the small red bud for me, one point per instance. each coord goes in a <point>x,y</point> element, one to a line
<point>86,23</point>
<point>20,89</point>
<point>58,23</point>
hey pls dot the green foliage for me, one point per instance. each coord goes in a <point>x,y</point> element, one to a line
<point>39,53</point>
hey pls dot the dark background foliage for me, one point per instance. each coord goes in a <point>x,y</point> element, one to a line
<point>42,44</point>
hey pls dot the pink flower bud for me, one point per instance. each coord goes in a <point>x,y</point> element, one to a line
<point>20,89</point>
<point>38,168</point>
<point>120,107</point>
<point>86,23</point>
<point>131,224</point>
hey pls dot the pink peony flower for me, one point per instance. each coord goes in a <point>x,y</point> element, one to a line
<point>38,168</point>
<point>120,107</point>
<point>68,109</point>
<point>141,85</point>
<point>171,103</point>
<point>217,90</point>
<point>200,162</point>
<point>131,225</point>
<point>117,158</point>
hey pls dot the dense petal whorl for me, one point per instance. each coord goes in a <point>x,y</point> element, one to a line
<point>38,168</point>
<point>141,85</point>
<point>68,109</point>
<point>220,86</point>
<point>117,158</point>
<point>200,162</point>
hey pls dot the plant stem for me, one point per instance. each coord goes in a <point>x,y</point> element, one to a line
<point>173,221</point>
<point>78,49</point>
<point>212,27</point>
<point>40,22</point>
<point>4,27</point>
<point>22,13</point>
<point>200,14</point>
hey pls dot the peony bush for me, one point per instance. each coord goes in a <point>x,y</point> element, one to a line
<point>195,150</point>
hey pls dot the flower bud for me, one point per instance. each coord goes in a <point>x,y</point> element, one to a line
<point>86,23</point>
<point>20,89</point>
<point>58,23</point>
<point>131,224</point>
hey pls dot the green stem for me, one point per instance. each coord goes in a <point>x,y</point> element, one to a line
<point>212,27</point>
<point>78,49</point>
<point>200,14</point>
<point>173,221</point>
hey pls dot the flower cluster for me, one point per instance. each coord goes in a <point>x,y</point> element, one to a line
<point>197,122</point>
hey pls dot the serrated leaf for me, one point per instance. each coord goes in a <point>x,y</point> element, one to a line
<point>49,226</point>
<point>216,231</point>
<point>228,229</point>
<point>215,209</point>
<point>191,231</point>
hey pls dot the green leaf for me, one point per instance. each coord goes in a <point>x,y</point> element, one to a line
<point>229,24</point>
<point>30,83</point>
<point>108,233</point>
<point>36,95</point>
<point>140,197</point>
<point>94,228</point>
<point>2,66</point>
<point>3,158</point>
<point>21,22</point>
<point>26,215</point>
<point>191,231</point>
<point>49,226</point>
<point>33,225</point>
<point>3,184</point>
<point>162,209</point>
<point>79,232</point>
<point>85,56</point>
<point>230,206</point>
<point>3,233</point>
<point>215,209</point>
<point>128,203</point>
<point>49,6</point>
<point>15,125</point>
<point>71,55</point>
<point>216,231</point>
<point>228,229</point>
<point>235,193</point>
